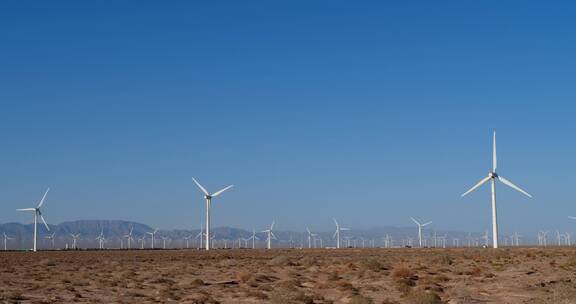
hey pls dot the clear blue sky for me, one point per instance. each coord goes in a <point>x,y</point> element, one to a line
<point>368,112</point>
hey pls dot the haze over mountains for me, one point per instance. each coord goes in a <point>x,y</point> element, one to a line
<point>115,230</point>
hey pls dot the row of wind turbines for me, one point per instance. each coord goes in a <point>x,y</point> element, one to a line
<point>492,178</point>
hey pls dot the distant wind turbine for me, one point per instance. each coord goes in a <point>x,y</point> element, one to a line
<point>6,238</point>
<point>337,232</point>
<point>270,235</point>
<point>420,230</point>
<point>37,213</point>
<point>152,236</point>
<point>208,198</point>
<point>492,177</point>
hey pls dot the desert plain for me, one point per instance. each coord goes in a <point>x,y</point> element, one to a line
<point>420,276</point>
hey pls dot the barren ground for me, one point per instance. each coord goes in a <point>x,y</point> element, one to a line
<point>519,275</point>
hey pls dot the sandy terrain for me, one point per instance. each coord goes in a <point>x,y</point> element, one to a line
<point>520,275</point>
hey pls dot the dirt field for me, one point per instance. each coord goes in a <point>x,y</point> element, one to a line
<point>520,275</point>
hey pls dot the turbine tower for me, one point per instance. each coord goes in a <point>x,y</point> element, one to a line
<point>337,232</point>
<point>37,213</point>
<point>6,238</point>
<point>152,236</point>
<point>270,235</point>
<point>420,230</point>
<point>492,177</point>
<point>208,198</point>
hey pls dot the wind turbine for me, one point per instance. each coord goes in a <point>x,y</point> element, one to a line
<point>164,239</point>
<point>200,235</point>
<point>270,235</point>
<point>142,240</point>
<point>420,230</point>
<point>337,232</point>
<point>187,239</point>
<point>492,177</point>
<point>310,237</point>
<point>100,238</point>
<point>129,237</point>
<point>51,237</point>
<point>253,238</point>
<point>208,198</point>
<point>37,213</point>
<point>153,236</point>
<point>75,238</point>
<point>6,238</point>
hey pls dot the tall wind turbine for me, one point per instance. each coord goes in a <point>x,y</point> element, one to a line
<point>208,198</point>
<point>6,238</point>
<point>269,237</point>
<point>37,213</point>
<point>337,232</point>
<point>420,230</point>
<point>129,237</point>
<point>253,238</point>
<point>100,238</point>
<point>310,237</point>
<point>492,177</point>
<point>153,236</point>
<point>51,237</point>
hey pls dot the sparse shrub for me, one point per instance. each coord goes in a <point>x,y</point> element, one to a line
<point>196,283</point>
<point>402,272</point>
<point>404,285</point>
<point>308,261</point>
<point>360,299</point>
<point>423,297</point>
<point>372,265</point>
<point>281,260</point>
<point>244,276</point>
<point>284,296</point>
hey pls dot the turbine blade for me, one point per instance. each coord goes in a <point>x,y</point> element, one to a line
<point>273,235</point>
<point>344,229</point>
<point>43,198</point>
<point>26,209</point>
<point>511,185</point>
<point>494,159</point>
<point>220,192</point>
<point>44,221</point>
<point>335,232</point>
<point>480,183</point>
<point>336,222</point>
<point>311,232</point>
<point>426,224</point>
<point>572,217</point>
<point>200,187</point>
<point>272,226</point>
<point>415,221</point>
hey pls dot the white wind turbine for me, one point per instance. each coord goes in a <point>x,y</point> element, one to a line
<point>75,238</point>
<point>337,233</point>
<point>129,237</point>
<point>37,213</point>
<point>311,236</point>
<point>269,237</point>
<point>164,239</point>
<point>253,238</point>
<point>142,240</point>
<point>200,235</point>
<point>187,239</point>
<point>51,237</point>
<point>208,198</point>
<point>492,177</point>
<point>6,238</point>
<point>100,238</point>
<point>420,230</point>
<point>153,236</point>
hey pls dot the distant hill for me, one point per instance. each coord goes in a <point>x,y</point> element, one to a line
<point>115,230</point>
